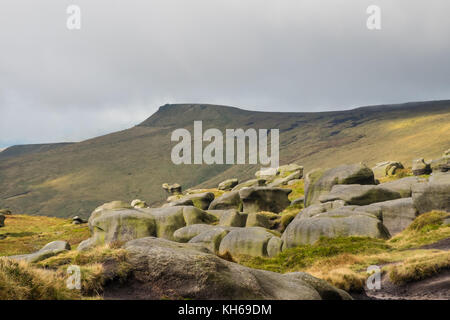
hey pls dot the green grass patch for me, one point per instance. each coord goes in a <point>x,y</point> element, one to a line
<point>302,257</point>
<point>25,234</point>
<point>425,229</point>
<point>419,268</point>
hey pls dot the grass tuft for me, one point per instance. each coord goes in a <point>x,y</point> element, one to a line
<point>21,281</point>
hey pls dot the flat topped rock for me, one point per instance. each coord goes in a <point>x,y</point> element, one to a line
<point>319,182</point>
<point>355,194</point>
<point>228,184</point>
<point>403,185</point>
<point>179,270</point>
<point>333,225</point>
<point>264,199</point>
<point>107,226</point>
<point>229,200</point>
<point>250,241</point>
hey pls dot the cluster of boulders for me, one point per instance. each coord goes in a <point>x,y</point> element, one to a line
<point>386,168</point>
<point>183,240</point>
<point>245,220</point>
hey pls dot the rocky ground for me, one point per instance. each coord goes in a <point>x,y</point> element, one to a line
<point>278,236</point>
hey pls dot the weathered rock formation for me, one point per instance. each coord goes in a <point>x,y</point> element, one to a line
<point>190,271</point>
<point>319,182</point>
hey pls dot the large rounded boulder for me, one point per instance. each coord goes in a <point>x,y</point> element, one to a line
<point>123,224</point>
<point>165,269</point>
<point>333,224</point>
<point>246,242</point>
<point>319,182</point>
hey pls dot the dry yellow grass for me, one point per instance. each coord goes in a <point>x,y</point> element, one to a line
<point>344,261</point>
<point>21,281</point>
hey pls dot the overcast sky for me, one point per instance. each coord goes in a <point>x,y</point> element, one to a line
<point>131,56</point>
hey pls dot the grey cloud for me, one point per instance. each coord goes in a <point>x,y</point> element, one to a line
<point>132,56</point>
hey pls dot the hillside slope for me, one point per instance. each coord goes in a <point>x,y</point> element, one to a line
<point>75,178</point>
<point>21,150</point>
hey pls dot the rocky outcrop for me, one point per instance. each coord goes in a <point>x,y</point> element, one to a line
<point>177,202</point>
<point>199,200</point>
<point>266,173</point>
<point>274,246</point>
<point>189,271</point>
<point>289,168</point>
<point>122,225</point>
<point>396,215</point>
<point>355,194</point>
<point>441,164</point>
<point>186,233</point>
<point>434,195</point>
<point>212,238</point>
<point>49,250</point>
<point>172,189</point>
<point>264,199</point>
<point>386,168</point>
<point>420,167</point>
<point>228,184</point>
<point>113,205</point>
<point>233,218</point>
<point>136,203</point>
<point>229,200</point>
<point>262,219</point>
<point>332,224</point>
<point>319,182</point>
<point>284,181</point>
<point>246,241</point>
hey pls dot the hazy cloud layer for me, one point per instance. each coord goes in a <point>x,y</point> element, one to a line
<point>131,56</point>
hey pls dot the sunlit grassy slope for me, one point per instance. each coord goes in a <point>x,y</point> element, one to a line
<point>25,234</point>
<point>344,261</point>
<point>74,179</point>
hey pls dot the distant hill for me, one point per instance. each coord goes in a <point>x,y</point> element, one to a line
<point>23,149</point>
<point>73,179</point>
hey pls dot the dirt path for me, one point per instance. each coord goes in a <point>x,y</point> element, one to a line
<point>435,288</point>
<point>440,245</point>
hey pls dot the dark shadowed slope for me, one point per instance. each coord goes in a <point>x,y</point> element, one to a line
<point>73,179</point>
